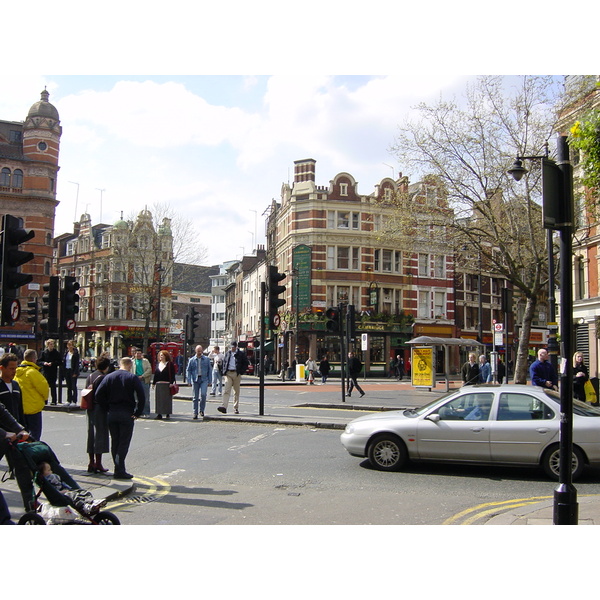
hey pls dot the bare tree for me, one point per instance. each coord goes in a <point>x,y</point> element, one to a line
<point>469,147</point>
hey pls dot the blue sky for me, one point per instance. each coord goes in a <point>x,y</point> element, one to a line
<point>217,144</point>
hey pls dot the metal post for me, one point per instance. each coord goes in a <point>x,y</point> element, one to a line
<point>159,270</point>
<point>566,510</point>
<point>261,385</point>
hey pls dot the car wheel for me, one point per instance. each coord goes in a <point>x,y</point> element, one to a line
<point>32,518</point>
<point>551,462</point>
<point>106,518</point>
<point>387,452</point>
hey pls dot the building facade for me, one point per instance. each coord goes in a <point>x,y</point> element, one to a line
<point>29,157</point>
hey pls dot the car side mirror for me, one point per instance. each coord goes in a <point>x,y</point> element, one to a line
<point>434,417</point>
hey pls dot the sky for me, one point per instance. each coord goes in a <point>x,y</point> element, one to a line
<point>217,144</point>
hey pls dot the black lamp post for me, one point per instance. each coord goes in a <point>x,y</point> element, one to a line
<point>557,205</point>
<point>160,270</point>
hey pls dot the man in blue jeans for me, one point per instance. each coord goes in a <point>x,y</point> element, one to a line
<point>121,393</point>
<point>199,373</point>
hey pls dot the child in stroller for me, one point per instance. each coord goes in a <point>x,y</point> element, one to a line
<point>83,500</point>
<point>67,503</point>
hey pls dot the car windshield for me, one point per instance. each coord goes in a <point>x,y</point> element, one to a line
<point>415,412</point>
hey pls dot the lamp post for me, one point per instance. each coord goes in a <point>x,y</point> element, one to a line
<point>160,270</point>
<point>557,206</point>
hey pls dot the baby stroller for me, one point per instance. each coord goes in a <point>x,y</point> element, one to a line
<point>60,509</point>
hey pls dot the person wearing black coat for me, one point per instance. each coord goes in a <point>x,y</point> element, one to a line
<point>580,376</point>
<point>470,371</point>
<point>50,360</point>
<point>354,369</point>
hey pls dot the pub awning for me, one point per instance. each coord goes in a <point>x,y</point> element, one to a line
<point>425,340</point>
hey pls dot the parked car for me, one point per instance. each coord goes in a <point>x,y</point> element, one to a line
<point>486,424</point>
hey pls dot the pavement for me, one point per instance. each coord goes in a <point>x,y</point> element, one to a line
<point>321,412</point>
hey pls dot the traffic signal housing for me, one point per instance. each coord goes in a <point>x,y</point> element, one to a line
<point>33,313</point>
<point>69,304</point>
<point>275,290</point>
<point>49,322</point>
<point>332,315</point>
<point>192,323</point>
<point>13,235</point>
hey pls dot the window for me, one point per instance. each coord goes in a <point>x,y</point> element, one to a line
<point>343,257</point>
<point>343,189</point>
<point>342,219</point>
<point>386,263</point>
<point>70,249</point>
<point>439,267</point>
<point>424,310</point>
<point>522,407</point>
<point>468,407</point>
<point>17,178</point>
<point>5,177</point>
<point>423,265</point>
<point>118,272</point>
<point>430,195</point>
<point>439,305</point>
<point>387,194</point>
<point>398,261</point>
<point>118,307</point>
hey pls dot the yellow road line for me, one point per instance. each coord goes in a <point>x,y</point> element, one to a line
<point>491,507</point>
<point>155,487</point>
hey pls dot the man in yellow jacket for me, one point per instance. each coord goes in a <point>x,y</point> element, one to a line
<point>34,392</point>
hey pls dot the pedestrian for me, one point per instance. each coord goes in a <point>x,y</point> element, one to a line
<point>199,374</point>
<point>50,361</point>
<point>399,368</point>
<point>143,369</point>
<point>470,370</point>
<point>501,371</point>
<point>10,392</point>
<point>543,372</point>
<point>10,431</point>
<point>292,370</point>
<point>121,394</point>
<point>164,376</point>
<point>97,433</point>
<point>485,370</point>
<point>34,392</point>
<point>580,376</point>
<point>354,369</point>
<point>216,357</point>
<point>311,367</point>
<point>324,368</point>
<point>235,364</point>
<point>71,365</point>
<point>284,369</point>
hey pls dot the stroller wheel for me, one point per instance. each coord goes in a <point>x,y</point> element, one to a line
<point>105,517</point>
<point>31,518</point>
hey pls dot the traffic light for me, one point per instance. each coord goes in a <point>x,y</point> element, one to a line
<point>506,300</point>
<point>351,322</point>
<point>49,322</point>
<point>13,235</point>
<point>333,318</point>
<point>69,302</point>
<point>275,290</point>
<point>192,323</point>
<point>33,313</point>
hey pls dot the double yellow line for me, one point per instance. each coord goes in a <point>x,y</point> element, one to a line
<point>152,487</point>
<point>481,511</point>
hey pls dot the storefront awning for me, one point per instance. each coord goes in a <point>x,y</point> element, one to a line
<point>425,340</point>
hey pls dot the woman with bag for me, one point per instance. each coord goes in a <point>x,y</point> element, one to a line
<point>97,418</point>
<point>164,376</point>
<point>580,376</point>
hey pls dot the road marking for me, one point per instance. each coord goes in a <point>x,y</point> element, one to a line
<point>258,438</point>
<point>156,489</point>
<point>483,510</point>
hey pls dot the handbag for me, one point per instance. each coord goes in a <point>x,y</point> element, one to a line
<point>174,388</point>
<point>590,392</point>
<point>87,398</point>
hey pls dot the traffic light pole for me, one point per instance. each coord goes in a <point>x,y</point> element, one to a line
<point>261,384</point>
<point>342,352</point>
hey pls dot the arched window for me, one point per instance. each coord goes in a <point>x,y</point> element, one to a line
<point>17,178</point>
<point>5,177</point>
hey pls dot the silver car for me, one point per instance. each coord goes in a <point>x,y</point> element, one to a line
<point>502,424</point>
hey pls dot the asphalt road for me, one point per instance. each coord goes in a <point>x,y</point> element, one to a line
<point>220,472</point>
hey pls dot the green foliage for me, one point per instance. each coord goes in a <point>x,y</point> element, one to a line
<point>585,137</point>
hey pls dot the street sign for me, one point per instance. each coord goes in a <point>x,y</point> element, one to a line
<point>15,310</point>
<point>364,341</point>
<point>70,324</point>
<point>499,327</point>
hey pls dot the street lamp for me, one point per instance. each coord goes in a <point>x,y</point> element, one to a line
<point>557,207</point>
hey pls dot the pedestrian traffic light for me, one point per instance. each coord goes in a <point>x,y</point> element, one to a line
<point>13,235</point>
<point>506,300</point>
<point>69,302</point>
<point>49,322</point>
<point>275,290</point>
<point>333,318</point>
<point>192,323</point>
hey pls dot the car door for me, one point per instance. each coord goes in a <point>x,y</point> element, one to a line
<point>458,430</point>
<point>523,427</point>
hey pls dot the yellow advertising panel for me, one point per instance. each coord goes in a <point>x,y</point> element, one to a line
<point>422,366</point>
